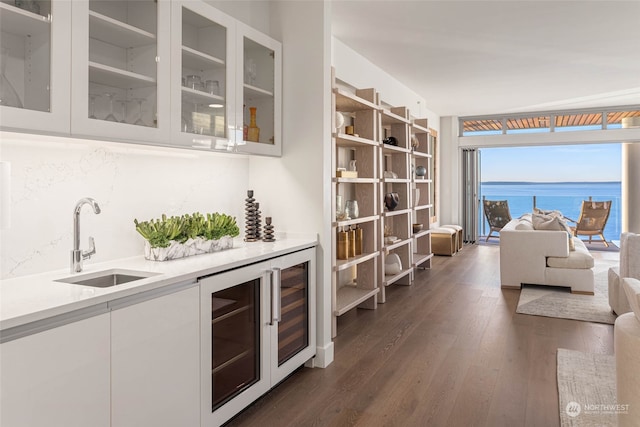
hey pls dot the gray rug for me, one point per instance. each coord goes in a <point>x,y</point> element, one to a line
<point>586,389</point>
<point>560,302</point>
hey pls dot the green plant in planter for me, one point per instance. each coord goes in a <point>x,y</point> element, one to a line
<point>159,233</point>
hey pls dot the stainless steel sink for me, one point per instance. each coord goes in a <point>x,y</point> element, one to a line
<point>107,278</point>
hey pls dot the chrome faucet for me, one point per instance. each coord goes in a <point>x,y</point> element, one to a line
<point>77,255</point>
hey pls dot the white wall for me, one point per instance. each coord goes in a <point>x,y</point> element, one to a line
<point>359,72</point>
<point>49,176</point>
<point>295,188</point>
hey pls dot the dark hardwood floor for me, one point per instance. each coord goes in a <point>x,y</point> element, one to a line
<point>447,351</point>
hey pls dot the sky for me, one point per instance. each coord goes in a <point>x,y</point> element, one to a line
<point>592,162</point>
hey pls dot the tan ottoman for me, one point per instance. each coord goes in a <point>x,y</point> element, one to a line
<point>444,241</point>
<point>459,236</point>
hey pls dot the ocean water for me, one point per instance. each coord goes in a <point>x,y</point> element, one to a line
<point>565,197</point>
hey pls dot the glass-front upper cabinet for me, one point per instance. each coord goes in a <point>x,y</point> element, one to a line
<point>35,65</point>
<point>202,73</point>
<point>121,69</point>
<point>259,92</point>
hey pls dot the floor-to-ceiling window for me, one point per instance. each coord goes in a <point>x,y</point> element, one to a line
<point>553,178</point>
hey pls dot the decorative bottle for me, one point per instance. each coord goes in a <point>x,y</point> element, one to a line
<point>253,133</point>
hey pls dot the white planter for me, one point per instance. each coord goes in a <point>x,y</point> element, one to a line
<point>191,247</point>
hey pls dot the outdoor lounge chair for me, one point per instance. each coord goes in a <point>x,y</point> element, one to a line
<point>497,214</point>
<point>592,220</point>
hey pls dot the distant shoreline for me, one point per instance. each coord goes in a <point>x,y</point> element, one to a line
<point>546,182</point>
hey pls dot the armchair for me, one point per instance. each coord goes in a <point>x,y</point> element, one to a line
<point>629,267</point>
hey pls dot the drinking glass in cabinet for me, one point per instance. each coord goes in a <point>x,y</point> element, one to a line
<point>123,47</point>
<point>8,95</point>
<point>251,72</point>
<point>212,87</point>
<point>139,121</point>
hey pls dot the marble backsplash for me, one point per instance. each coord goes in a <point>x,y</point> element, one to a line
<point>49,175</point>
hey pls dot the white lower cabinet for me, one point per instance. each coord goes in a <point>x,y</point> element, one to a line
<point>155,372</point>
<point>58,377</point>
<point>258,326</point>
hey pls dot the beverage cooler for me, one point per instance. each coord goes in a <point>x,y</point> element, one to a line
<point>258,326</point>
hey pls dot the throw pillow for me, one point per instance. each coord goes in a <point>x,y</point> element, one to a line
<point>557,214</point>
<point>550,222</point>
<point>546,222</point>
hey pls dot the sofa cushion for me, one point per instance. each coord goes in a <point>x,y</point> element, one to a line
<point>580,258</point>
<point>632,289</point>
<point>524,225</point>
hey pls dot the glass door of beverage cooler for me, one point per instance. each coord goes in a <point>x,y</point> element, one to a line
<point>293,308</point>
<point>234,340</point>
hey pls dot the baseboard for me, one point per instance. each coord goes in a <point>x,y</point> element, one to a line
<point>515,287</point>
<point>323,357</point>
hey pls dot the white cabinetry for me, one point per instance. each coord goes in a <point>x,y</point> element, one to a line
<point>58,377</point>
<point>259,86</point>
<point>127,60</point>
<point>121,69</point>
<point>258,326</point>
<point>36,67</point>
<point>155,373</point>
<point>203,76</point>
<point>228,69</point>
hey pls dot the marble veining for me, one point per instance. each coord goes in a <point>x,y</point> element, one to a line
<point>50,174</point>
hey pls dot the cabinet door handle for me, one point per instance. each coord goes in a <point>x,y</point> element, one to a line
<point>276,304</point>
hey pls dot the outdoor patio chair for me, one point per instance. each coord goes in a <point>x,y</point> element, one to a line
<point>592,220</point>
<point>497,214</point>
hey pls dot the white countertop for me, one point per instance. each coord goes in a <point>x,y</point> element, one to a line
<point>30,298</point>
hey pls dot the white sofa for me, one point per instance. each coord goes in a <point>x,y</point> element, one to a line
<point>629,267</point>
<point>626,339</point>
<point>543,257</point>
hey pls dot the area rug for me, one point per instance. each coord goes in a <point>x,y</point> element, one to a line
<point>560,302</point>
<point>586,389</point>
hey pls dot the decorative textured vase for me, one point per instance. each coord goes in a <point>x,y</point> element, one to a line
<point>253,133</point>
<point>351,209</point>
<point>391,200</point>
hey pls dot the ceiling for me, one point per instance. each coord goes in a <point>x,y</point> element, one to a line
<point>489,57</point>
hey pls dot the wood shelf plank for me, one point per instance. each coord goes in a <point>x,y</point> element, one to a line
<point>389,280</point>
<point>347,102</point>
<point>389,118</point>
<point>345,140</point>
<point>393,149</point>
<point>420,258</point>
<point>357,180</point>
<point>343,264</point>
<point>356,221</point>
<point>349,297</point>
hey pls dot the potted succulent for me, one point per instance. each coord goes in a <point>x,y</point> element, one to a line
<point>178,237</point>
